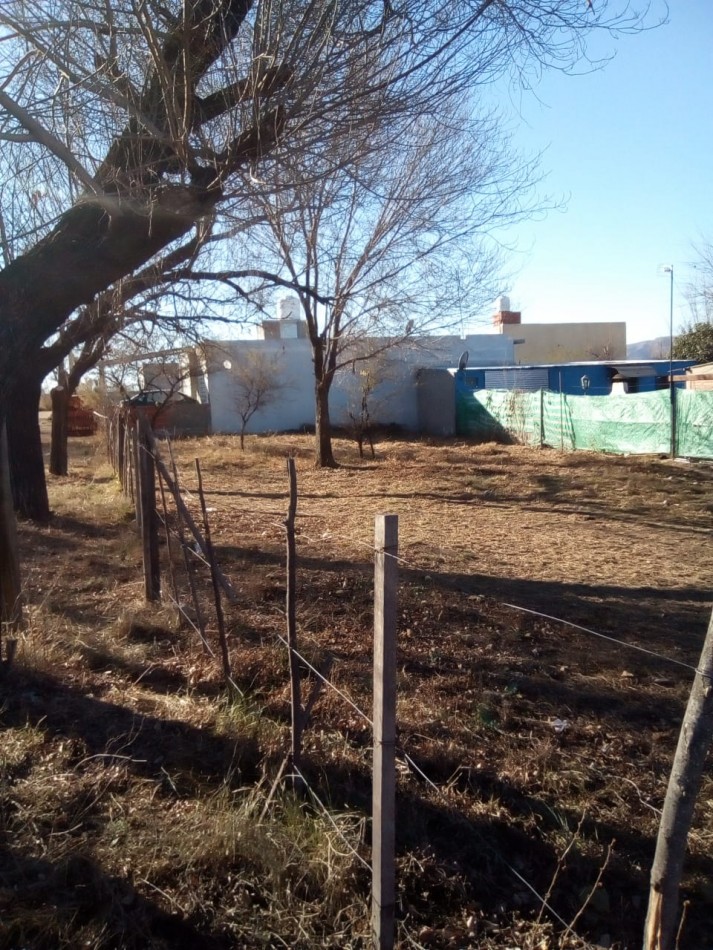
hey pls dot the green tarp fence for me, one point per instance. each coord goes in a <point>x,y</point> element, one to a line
<point>636,423</point>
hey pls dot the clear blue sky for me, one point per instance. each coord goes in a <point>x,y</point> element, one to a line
<point>630,149</point>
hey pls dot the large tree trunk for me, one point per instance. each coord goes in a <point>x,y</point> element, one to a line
<point>10,600</point>
<point>27,468</point>
<point>102,239</point>
<point>58,442</point>
<point>324,457</point>
<point>684,784</point>
<point>92,246</point>
<point>323,376</point>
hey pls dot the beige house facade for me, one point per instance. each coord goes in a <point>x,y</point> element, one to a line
<point>560,342</point>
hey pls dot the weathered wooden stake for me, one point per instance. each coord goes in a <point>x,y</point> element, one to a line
<point>200,622</point>
<point>214,579</point>
<point>167,535</point>
<point>120,448</point>
<point>129,456</point>
<point>295,685</point>
<point>148,522</point>
<point>172,485</point>
<point>135,478</point>
<point>684,784</point>
<point>383,893</point>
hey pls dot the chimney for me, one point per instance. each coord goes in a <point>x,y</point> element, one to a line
<point>504,315</point>
<point>288,325</point>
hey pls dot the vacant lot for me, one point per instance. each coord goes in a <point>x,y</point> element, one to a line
<point>138,806</point>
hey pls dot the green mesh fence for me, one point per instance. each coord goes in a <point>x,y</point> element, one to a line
<point>634,423</point>
<point>694,424</point>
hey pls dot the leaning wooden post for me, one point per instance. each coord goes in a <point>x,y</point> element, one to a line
<point>683,786</point>
<point>167,535</point>
<point>135,469</point>
<point>120,447</point>
<point>148,523</point>
<point>174,487</point>
<point>295,690</point>
<point>383,888</point>
<point>129,459</point>
<point>210,554</point>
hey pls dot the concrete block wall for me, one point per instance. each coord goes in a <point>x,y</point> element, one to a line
<point>395,401</point>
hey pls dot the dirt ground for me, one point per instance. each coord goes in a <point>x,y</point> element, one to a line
<point>549,745</point>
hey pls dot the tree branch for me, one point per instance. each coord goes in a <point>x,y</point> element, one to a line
<point>41,135</point>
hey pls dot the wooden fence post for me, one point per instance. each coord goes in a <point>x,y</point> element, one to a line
<point>120,447</point>
<point>148,523</point>
<point>175,490</point>
<point>172,484</point>
<point>136,471</point>
<point>129,460</point>
<point>683,786</point>
<point>383,892</point>
<point>295,690</point>
<point>167,535</point>
<point>210,554</point>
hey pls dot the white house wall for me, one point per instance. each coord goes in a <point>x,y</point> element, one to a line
<point>394,402</point>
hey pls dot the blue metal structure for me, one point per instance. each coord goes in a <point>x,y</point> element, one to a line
<point>594,378</point>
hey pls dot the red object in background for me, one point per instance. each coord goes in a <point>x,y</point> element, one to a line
<point>80,420</point>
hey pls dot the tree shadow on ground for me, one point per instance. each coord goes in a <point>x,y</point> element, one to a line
<point>150,745</point>
<point>657,611</point>
<point>73,898</point>
<point>494,863</point>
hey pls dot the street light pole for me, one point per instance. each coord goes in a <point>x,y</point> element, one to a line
<point>668,269</point>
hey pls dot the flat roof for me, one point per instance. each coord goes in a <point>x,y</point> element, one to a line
<point>612,364</point>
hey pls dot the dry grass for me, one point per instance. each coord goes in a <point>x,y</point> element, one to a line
<point>137,806</point>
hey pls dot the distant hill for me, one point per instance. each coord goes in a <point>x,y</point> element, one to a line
<point>649,349</point>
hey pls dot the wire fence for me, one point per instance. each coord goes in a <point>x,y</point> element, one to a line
<point>130,443</point>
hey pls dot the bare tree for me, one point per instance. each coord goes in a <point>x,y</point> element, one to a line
<point>87,335</point>
<point>391,234</point>
<point>364,385</point>
<point>151,114</point>
<point>699,291</point>
<point>124,124</point>
<point>259,382</point>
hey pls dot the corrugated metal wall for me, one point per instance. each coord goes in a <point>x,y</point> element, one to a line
<point>528,379</point>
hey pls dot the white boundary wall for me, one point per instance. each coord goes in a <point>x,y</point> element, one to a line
<point>394,401</point>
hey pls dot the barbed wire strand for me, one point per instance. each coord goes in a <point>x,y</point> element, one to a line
<point>204,640</point>
<point>329,817</point>
<point>184,613</point>
<point>325,680</point>
<point>439,791</point>
<point>517,607</point>
<point>410,762</point>
<point>402,753</point>
<point>536,613</point>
